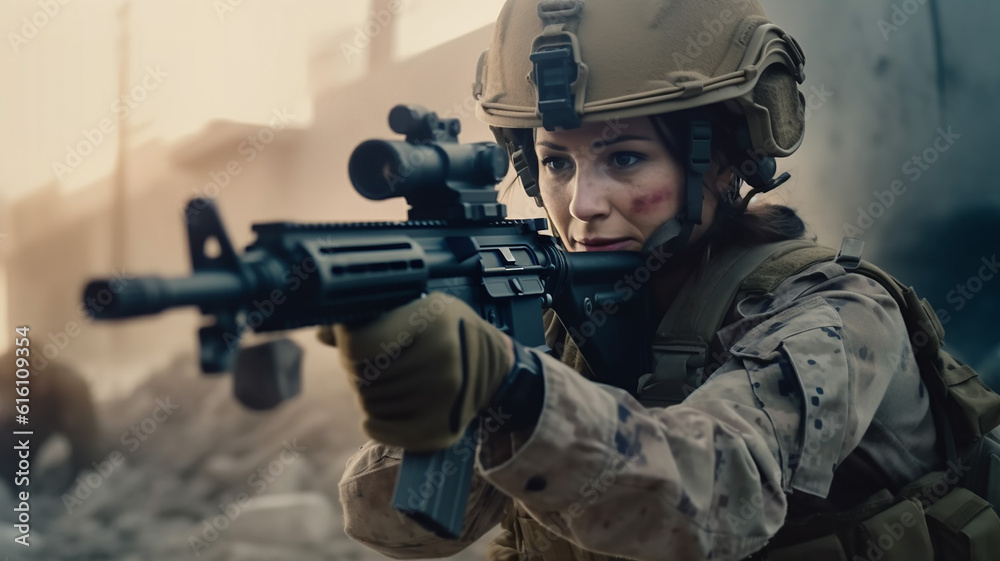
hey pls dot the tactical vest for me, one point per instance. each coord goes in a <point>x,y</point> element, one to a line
<point>951,520</point>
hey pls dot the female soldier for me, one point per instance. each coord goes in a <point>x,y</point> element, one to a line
<point>635,124</point>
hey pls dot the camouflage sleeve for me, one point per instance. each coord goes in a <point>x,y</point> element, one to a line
<point>706,479</point>
<point>833,388</point>
<point>366,491</point>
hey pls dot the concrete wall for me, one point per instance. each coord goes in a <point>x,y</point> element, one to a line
<point>904,76</point>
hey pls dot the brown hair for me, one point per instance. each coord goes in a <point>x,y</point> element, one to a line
<point>759,225</point>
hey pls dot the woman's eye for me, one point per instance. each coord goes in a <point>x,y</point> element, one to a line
<point>625,159</point>
<point>554,163</point>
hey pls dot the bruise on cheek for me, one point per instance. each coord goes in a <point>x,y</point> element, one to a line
<point>649,203</point>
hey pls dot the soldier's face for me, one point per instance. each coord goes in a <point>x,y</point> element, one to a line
<point>609,185</point>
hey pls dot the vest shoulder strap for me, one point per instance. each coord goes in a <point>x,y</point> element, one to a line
<point>684,337</point>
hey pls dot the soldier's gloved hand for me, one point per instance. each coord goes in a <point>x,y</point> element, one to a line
<point>424,370</point>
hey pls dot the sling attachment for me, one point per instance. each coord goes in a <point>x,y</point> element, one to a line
<point>849,256</point>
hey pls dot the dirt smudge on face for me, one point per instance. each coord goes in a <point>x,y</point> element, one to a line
<point>646,204</point>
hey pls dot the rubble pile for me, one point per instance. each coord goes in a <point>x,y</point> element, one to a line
<point>186,472</point>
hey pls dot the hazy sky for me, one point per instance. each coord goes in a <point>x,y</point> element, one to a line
<point>191,61</point>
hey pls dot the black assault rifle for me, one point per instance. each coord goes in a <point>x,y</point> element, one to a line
<point>456,240</point>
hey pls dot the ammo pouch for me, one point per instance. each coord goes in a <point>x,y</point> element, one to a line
<point>964,522</point>
<point>964,527</point>
<point>983,475</point>
<point>884,528</point>
<point>959,526</point>
<point>943,516</point>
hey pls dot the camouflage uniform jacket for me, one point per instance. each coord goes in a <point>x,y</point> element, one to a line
<point>823,369</point>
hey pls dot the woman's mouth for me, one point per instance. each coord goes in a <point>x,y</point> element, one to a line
<point>604,244</point>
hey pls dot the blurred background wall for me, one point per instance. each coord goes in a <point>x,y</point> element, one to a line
<point>898,150</point>
<point>114,113</point>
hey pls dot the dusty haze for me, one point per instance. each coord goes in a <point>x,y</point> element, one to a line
<point>886,82</point>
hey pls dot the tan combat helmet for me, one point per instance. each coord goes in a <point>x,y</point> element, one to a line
<point>560,64</point>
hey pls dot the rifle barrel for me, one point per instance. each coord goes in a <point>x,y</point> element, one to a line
<point>115,299</point>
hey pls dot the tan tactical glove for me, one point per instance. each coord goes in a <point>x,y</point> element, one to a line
<point>424,370</point>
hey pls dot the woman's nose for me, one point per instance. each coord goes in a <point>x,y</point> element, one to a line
<point>590,196</point>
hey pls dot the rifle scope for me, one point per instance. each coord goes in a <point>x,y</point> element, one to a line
<point>430,162</point>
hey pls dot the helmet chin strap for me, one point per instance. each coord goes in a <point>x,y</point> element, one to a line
<point>674,234</point>
<point>667,237</point>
